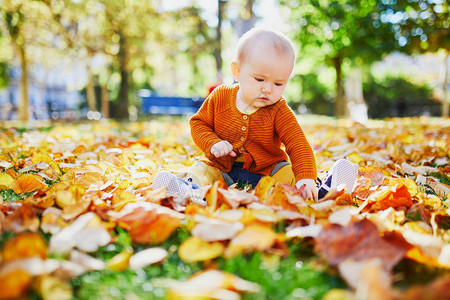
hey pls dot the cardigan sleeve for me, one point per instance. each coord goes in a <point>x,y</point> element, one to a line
<point>202,124</point>
<point>297,147</point>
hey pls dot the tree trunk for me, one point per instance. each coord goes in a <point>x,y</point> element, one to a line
<point>90,90</point>
<point>104,100</point>
<point>356,108</point>
<point>218,50</point>
<point>122,105</point>
<point>339,102</point>
<point>23,101</point>
<point>445,100</point>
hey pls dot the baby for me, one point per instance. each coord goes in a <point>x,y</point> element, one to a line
<point>241,128</point>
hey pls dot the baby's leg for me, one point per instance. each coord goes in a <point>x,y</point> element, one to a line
<point>187,183</point>
<point>201,174</point>
<point>282,172</point>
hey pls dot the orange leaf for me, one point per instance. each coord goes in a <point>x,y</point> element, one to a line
<point>14,284</point>
<point>28,183</point>
<point>75,209</point>
<point>148,227</point>
<point>417,255</point>
<point>24,245</point>
<point>396,195</point>
<point>277,197</point>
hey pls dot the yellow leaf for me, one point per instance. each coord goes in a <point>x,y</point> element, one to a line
<point>195,249</point>
<point>5,181</point>
<point>263,187</point>
<point>50,288</point>
<point>121,198</point>
<point>211,197</point>
<point>253,237</point>
<point>355,158</point>
<point>37,158</point>
<point>64,198</point>
<point>120,261</point>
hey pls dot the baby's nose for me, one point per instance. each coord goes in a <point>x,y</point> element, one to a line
<point>266,88</point>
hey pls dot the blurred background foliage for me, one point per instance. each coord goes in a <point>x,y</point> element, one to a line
<point>179,49</point>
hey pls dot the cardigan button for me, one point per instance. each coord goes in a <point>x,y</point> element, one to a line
<point>242,138</point>
<point>244,128</point>
<point>245,117</point>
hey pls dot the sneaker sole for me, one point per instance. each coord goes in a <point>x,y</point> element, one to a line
<point>344,172</point>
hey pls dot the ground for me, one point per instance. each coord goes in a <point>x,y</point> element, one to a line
<point>79,218</point>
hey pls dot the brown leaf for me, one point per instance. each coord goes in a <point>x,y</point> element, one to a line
<point>22,219</point>
<point>359,241</point>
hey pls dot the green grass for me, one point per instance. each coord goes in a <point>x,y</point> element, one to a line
<point>11,196</point>
<point>288,278</point>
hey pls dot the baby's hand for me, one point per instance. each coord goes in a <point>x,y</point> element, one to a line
<point>222,148</point>
<point>310,191</point>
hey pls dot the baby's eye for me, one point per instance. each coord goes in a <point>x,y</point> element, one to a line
<point>259,79</point>
<point>278,84</point>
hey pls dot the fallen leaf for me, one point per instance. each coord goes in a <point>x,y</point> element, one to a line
<point>208,283</point>
<point>50,287</point>
<point>14,284</point>
<point>120,261</point>
<point>5,181</point>
<point>27,183</point>
<point>359,241</point>
<point>263,187</point>
<point>24,245</point>
<point>147,257</point>
<point>22,219</point>
<point>251,238</point>
<point>85,233</point>
<point>215,230</point>
<point>148,227</point>
<point>195,249</point>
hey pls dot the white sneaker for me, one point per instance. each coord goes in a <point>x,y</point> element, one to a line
<point>342,171</point>
<point>175,185</point>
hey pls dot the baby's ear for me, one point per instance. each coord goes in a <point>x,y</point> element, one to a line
<point>235,70</point>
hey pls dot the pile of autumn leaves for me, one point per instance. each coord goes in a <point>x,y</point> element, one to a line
<point>79,183</point>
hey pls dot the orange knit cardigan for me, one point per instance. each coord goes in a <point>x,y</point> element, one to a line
<point>260,134</point>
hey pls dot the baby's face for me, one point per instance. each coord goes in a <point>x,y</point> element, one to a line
<point>263,76</point>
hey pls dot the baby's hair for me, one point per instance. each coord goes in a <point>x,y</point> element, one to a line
<point>276,39</point>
